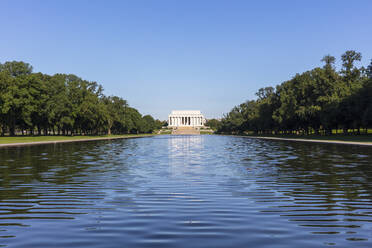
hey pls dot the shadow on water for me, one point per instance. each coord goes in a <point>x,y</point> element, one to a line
<point>182,191</point>
<point>326,188</point>
<point>53,181</point>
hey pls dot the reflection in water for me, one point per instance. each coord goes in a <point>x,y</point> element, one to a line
<point>183,191</point>
<point>185,154</point>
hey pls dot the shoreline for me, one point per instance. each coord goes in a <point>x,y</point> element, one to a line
<point>30,143</point>
<point>337,142</point>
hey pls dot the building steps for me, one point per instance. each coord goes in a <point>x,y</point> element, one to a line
<point>185,130</point>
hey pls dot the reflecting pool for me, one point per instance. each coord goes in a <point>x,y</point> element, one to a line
<point>186,191</point>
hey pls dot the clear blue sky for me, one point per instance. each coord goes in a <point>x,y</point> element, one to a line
<point>164,55</point>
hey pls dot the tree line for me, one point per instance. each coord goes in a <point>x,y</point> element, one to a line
<point>319,101</point>
<point>62,104</point>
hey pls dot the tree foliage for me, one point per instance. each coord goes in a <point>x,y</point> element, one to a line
<point>213,124</point>
<point>36,103</point>
<point>316,101</point>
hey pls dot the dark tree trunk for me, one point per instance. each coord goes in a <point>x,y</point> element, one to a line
<point>12,131</point>
<point>316,131</point>
<point>345,130</point>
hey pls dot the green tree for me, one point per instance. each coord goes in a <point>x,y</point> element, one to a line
<point>317,100</point>
<point>16,68</point>
<point>59,105</point>
<point>349,70</point>
<point>214,124</point>
<point>329,62</point>
<point>149,124</point>
<point>116,107</point>
<point>369,70</point>
<point>159,124</point>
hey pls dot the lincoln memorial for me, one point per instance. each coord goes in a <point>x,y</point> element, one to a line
<point>186,118</point>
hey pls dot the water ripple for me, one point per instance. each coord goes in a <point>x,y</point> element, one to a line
<point>186,191</point>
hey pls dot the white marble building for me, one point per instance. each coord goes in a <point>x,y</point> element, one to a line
<point>186,118</point>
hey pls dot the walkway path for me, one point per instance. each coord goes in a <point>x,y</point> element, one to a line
<point>314,140</point>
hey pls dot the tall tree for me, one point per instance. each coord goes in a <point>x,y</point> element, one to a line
<point>349,70</point>
<point>329,62</point>
<point>317,100</point>
<point>369,70</point>
<point>16,68</point>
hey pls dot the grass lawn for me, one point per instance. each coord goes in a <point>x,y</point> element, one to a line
<point>205,132</point>
<point>166,132</point>
<point>27,139</point>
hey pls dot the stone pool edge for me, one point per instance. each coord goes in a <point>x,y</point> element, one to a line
<point>70,141</point>
<point>338,142</point>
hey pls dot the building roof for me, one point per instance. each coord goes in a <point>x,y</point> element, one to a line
<point>186,112</point>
